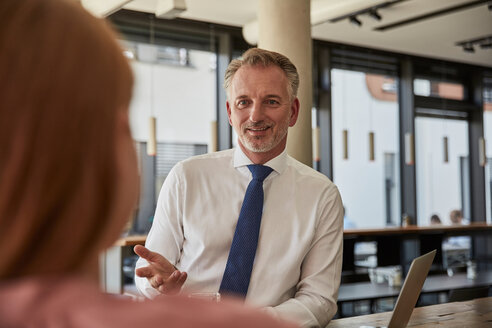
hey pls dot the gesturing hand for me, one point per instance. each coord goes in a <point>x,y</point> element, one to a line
<point>160,273</point>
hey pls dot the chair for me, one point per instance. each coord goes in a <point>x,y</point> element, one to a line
<point>466,294</point>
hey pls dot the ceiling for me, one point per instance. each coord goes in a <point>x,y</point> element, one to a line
<point>435,36</point>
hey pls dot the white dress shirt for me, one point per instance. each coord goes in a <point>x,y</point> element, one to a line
<point>296,273</point>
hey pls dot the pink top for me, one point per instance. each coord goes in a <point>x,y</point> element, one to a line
<point>71,303</point>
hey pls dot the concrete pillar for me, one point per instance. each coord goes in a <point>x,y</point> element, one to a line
<point>285,27</point>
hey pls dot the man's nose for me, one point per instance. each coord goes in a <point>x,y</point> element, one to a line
<point>256,113</point>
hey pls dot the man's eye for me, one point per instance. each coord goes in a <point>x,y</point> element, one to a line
<point>272,102</point>
<point>242,103</point>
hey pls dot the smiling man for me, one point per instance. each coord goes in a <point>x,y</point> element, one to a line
<point>251,222</point>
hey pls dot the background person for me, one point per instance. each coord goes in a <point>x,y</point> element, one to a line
<point>456,249</point>
<point>456,217</point>
<point>297,262</point>
<point>435,219</point>
<point>69,176</point>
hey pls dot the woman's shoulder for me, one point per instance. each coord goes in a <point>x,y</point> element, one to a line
<point>77,303</point>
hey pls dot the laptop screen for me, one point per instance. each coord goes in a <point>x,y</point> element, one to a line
<point>410,291</point>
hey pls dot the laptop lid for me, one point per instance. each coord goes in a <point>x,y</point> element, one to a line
<point>410,291</point>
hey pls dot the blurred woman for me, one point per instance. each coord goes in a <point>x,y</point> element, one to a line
<point>68,176</point>
<point>435,219</point>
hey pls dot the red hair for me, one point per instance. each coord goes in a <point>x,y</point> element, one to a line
<point>63,80</point>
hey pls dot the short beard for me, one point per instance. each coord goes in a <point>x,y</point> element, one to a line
<point>266,146</point>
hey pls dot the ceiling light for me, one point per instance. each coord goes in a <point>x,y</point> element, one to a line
<point>484,42</point>
<point>468,48</point>
<point>355,21</point>
<point>487,45</point>
<point>374,14</point>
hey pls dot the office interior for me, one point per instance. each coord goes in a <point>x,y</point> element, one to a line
<point>400,118</point>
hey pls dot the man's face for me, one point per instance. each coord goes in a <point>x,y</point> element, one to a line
<point>260,110</point>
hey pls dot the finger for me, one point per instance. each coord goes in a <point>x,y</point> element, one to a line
<point>144,272</point>
<point>173,278</point>
<point>170,285</point>
<point>141,251</point>
<point>182,279</point>
<point>151,257</point>
<point>156,281</point>
<point>169,289</point>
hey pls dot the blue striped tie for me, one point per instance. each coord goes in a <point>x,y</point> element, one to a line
<point>243,249</point>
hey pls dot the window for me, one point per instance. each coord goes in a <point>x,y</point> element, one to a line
<point>438,89</point>
<point>363,104</point>
<point>487,128</point>
<point>441,150</point>
<point>179,90</point>
<point>178,87</point>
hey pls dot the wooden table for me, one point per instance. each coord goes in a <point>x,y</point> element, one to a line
<point>131,240</point>
<point>476,314</point>
<point>474,227</point>
<point>482,227</point>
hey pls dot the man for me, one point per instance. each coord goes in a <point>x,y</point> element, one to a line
<point>298,258</point>
<point>456,217</point>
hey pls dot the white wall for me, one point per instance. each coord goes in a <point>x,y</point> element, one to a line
<point>184,100</point>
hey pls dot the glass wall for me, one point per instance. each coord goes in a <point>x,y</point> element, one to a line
<point>441,150</point>
<point>487,128</point>
<point>177,86</point>
<point>430,88</point>
<point>366,171</point>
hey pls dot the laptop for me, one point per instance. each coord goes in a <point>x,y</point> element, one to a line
<point>410,291</point>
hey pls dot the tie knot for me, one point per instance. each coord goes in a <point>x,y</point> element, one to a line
<point>260,172</point>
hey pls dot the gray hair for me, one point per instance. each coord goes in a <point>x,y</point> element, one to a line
<point>257,57</point>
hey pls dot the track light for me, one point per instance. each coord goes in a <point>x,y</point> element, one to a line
<point>355,21</point>
<point>374,14</point>
<point>468,48</point>
<point>470,45</point>
<point>486,44</point>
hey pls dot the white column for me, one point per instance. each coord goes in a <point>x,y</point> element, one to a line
<point>285,27</point>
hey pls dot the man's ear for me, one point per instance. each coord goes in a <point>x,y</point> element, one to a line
<point>294,112</point>
<point>228,106</point>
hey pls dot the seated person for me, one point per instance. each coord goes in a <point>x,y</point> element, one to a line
<point>434,220</point>
<point>206,238</point>
<point>456,217</point>
<point>456,249</point>
<point>69,179</point>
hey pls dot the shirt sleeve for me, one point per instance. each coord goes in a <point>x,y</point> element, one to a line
<point>315,301</point>
<point>166,234</point>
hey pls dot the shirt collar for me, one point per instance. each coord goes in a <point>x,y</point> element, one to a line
<point>278,164</point>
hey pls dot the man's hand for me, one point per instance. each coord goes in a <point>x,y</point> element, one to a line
<point>160,273</point>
